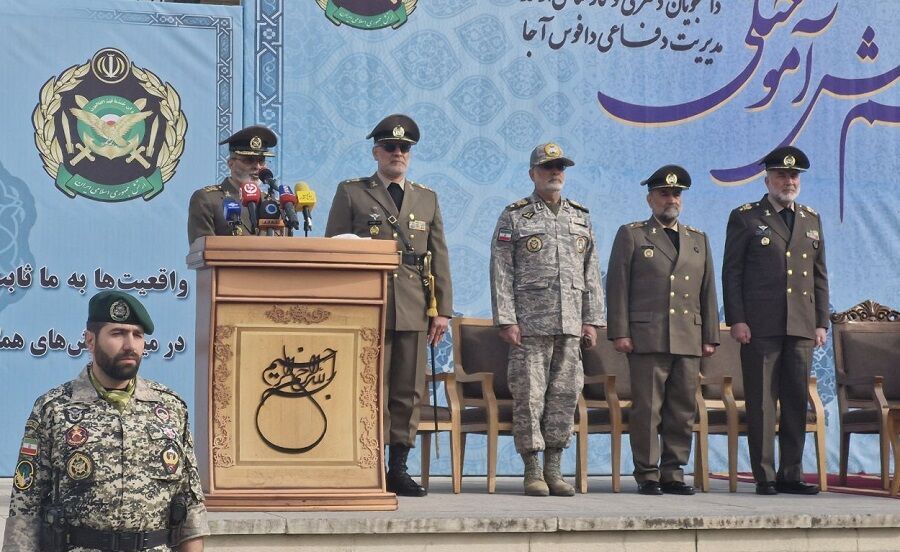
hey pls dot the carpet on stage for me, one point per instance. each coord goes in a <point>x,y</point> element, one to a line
<point>858,484</point>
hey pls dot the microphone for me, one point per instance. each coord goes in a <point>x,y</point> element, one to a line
<point>231,211</point>
<point>250,197</point>
<point>288,198</point>
<point>270,216</point>
<point>266,177</point>
<point>306,199</point>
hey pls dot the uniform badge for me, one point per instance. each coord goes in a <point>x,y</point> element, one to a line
<point>504,235</point>
<point>24,476</point>
<point>552,150</point>
<point>812,234</point>
<point>412,216</point>
<point>419,225</point>
<point>162,413</point>
<point>762,230</point>
<point>534,244</point>
<point>170,459</point>
<point>528,215</point>
<point>789,161</point>
<point>765,240</point>
<point>238,231</point>
<point>169,432</point>
<point>374,230</point>
<point>671,179</point>
<point>119,311</point>
<point>398,132</point>
<point>74,415</point>
<point>815,244</point>
<point>768,213</point>
<point>256,143</point>
<point>581,244</point>
<point>76,436</point>
<point>29,447</point>
<point>79,466</point>
<point>648,252</point>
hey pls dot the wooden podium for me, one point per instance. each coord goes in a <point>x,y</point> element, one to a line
<point>288,372</point>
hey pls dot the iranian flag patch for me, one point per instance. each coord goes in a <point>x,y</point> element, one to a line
<point>29,447</point>
<point>504,235</point>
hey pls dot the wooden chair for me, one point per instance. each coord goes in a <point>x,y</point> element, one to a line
<point>867,373</point>
<point>448,419</point>
<point>605,407</point>
<point>724,403</point>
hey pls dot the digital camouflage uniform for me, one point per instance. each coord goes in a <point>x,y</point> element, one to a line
<point>115,472</point>
<point>545,277</point>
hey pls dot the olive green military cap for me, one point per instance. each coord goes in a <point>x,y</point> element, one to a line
<point>117,307</point>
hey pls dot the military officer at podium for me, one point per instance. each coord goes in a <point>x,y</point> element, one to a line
<point>248,150</point>
<point>663,314</point>
<point>107,461</point>
<point>776,301</point>
<point>389,206</point>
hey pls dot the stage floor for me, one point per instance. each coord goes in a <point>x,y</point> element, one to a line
<point>599,520</point>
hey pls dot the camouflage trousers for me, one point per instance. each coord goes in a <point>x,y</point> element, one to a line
<point>545,377</point>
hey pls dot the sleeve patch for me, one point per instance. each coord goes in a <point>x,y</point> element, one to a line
<point>504,235</point>
<point>29,447</point>
<point>24,476</point>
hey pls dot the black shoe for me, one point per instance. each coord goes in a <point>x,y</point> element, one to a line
<point>398,480</point>
<point>676,488</point>
<point>766,488</point>
<point>649,488</point>
<point>796,487</point>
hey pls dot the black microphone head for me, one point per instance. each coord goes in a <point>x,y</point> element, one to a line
<point>266,175</point>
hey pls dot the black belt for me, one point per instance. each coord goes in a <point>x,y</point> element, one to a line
<point>114,541</point>
<point>412,259</point>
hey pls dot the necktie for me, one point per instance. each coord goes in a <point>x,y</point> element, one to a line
<point>673,235</point>
<point>396,194</point>
<point>788,217</point>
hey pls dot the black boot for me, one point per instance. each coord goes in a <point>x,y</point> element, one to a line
<point>398,480</point>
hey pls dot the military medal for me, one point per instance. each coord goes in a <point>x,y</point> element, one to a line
<point>79,466</point>
<point>74,415</point>
<point>170,459</point>
<point>161,413</point>
<point>374,230</point>
<point>648,251</point>
<point>24,475</point>
<point>418,225</point>
<point>765,240</point>
<point>534,244</point>
<point>76,436</point>
<point>812,234</point>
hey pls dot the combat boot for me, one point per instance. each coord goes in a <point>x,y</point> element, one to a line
<point>553,476</point>
<point>398,480</point>
<point>534,480</point>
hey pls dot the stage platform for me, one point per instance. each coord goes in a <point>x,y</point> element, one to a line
<point>598,521</point>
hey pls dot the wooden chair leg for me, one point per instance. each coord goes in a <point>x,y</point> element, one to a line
<point>462,452</point>
<point>456,459</point>
<point>820,456</point>
<point>615,454</point>
<point>492,444</point>
<point>845,457</point>
<point>701,461</point>
<point>885,444</point>
<point>732,461</point>
<point>426,457</point>
<point>895,443</point>
<point>581,462</point>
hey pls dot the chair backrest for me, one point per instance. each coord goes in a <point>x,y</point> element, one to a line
<point>603,359</point>
<point>867,343</point>
<point>725,362</point>
<point>477,348</point>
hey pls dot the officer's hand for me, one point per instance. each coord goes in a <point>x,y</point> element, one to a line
<point>741,333</point>
<point>438,329</point>
<point>708,349</point>
<point>511,334</point>
<point>821,337</point>
<point>588,336</point>
<point>623,345</point>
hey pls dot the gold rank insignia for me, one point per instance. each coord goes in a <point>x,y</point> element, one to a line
<point>745,207</point>
<point>765,240</point>
<point>534,244</point>
<point>170,459</point>
<point>789,161</point>
<point>552,150</point>
<point>528,215</point>
<point>79,466</point>
<point>374,230</point>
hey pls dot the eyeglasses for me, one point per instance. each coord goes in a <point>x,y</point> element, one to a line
<point>391,147</point>
<point>554,166</point>
<point>250,159</point>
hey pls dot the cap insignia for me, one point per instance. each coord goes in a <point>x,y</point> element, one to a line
<point>119,311</point>
<point>552,150</point>
<point>398,132</point>
<point>256,142</point>
<point>671,179</point>
<point>789,161</point>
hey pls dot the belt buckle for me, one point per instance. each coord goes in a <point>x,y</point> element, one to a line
<point>131,542</point>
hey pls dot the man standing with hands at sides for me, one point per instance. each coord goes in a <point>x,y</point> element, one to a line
<point>389,206</point>
<point>663,314</point>
<point>776,301</point>
<point>546,297</point>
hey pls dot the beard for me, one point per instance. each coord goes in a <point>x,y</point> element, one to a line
<point>111,365</point>
<point>668,215</point>
<point>785,197</point>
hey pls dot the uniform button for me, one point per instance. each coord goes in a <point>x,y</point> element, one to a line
<point>395,234</point>
<point>788,253</point>
<point>790,272</point>
<point>789,290</point>
<point>686,295</point>
<point>671,311</point>
<point>685,312</point>
<point>804,255</point>
<point>804,293</point>
<point>804,273</point>
<point>671,294</point>
<point>395,275</point>
<point>672,277</point>
<point>412,275</point>
<point>412,236</point>
<point>687,277</point>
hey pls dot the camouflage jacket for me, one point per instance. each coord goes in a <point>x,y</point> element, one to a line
<point>545,275</point>
<point>114,472</point>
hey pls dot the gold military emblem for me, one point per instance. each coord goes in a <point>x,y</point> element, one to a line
<point>789,161</point>
<point>648,253</point>
<point>79,466</point>
<point>119,311</point>
<point>552,150</point>
<point>398,132</point>
<point>671,179</point>
<point>256,143</point>
<point>581,244</point>
<point>534,244</point>
<point>765,240</point>
<point>374,230</point>
<point>170,459</point>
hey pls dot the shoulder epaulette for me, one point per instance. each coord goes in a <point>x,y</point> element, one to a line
<point>809,210</point>
<point>746,207</point>
<point>518,204</point>
<point>364,179</point>
<point>417,185</point>
<point>578,206</point>
<point>213,188</point>
<point>160,388</point>
<point>638,224</point>
<point>692,229</point>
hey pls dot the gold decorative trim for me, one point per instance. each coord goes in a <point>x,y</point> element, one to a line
<point>298,313</point>
<point>222,393</point>
<point>867,311</point>
<point>368,397</point>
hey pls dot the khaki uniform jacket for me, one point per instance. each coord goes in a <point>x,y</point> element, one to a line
<point>205,215</point>
<point>545,275</point>
<point>775,280</point>
<point>663,299</point>
<point>362,201</point>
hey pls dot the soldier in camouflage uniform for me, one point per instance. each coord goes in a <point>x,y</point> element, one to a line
<point>107,461</point>
<point>546,295</point>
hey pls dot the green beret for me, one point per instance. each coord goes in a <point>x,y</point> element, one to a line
<point>118,307</point>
